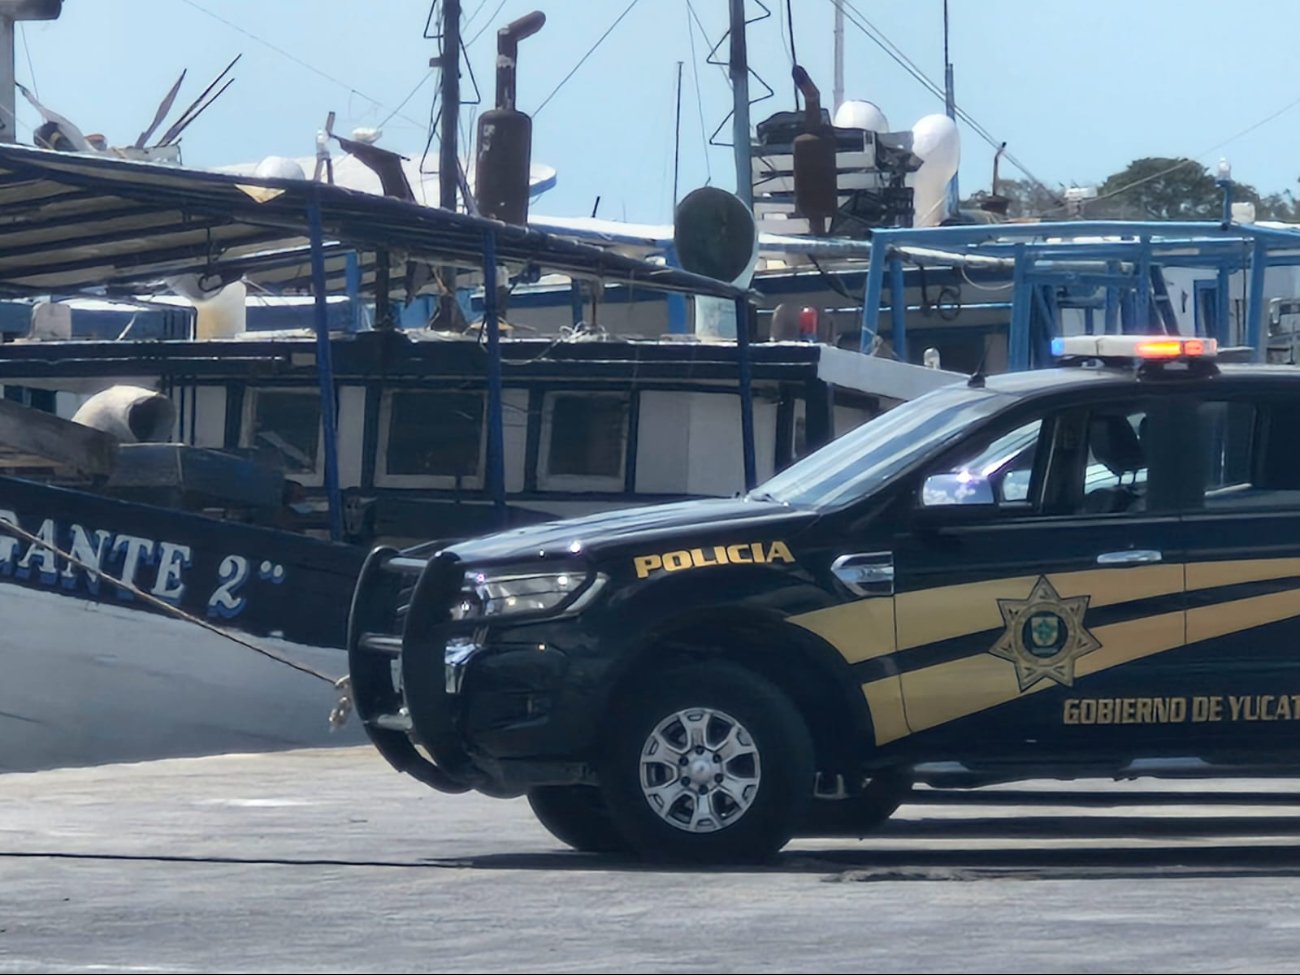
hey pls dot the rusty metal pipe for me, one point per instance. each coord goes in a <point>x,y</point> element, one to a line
<point>812,99</point>
<point>508,38</point>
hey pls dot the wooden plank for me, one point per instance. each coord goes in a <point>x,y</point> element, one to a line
<point>24,431</point>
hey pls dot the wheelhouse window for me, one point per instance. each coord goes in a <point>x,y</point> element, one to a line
<point>283,426</point>
<point>432,438</point>
<point>586,440</point>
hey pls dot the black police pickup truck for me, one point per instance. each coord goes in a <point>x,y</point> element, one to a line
<point>1091,570</point>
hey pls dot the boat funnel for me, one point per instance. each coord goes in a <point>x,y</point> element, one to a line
<point>505,134</point>
<point>816,190</point>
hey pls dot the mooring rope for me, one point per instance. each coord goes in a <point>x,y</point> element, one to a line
<point>341,710</point>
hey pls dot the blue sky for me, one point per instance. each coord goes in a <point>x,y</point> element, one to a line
<point>1078,90</point>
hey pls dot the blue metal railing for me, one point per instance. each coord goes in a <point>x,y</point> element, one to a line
<point>1126,260</point>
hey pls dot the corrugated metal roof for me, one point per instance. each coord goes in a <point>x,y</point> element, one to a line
<point>73,223</point>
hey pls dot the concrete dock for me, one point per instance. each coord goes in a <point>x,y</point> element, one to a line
<point>326,860</point>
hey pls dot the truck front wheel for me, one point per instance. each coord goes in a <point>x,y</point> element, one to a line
<point>708,763</point>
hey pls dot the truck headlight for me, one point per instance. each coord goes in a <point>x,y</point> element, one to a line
<point>491,593</point>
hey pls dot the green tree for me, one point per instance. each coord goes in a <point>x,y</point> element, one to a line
<point>1279,206</point>
<point>1162,188</point>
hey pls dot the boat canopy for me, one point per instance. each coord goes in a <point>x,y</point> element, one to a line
<point>76,223</point>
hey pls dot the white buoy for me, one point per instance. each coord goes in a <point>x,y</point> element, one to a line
<point>936,141</point>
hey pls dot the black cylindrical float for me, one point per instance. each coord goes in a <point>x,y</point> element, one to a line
<point>505,140</point>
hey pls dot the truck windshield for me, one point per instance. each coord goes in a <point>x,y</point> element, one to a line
<point>848,468</point>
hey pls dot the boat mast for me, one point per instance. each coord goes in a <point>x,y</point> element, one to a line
<point>448,61</point>
<point>739,70</point>
<point>8,120</point>
<point>950,108</point>
<point>10,12</point>
<point>677,135</point>
<point>837,93</point>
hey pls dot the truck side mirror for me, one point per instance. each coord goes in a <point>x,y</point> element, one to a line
<point>956,497</point>
<point>962,488</point>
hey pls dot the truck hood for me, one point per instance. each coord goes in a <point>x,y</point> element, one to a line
<point>696,522</point>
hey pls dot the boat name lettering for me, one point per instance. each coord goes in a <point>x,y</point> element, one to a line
<point>155,566</point>
<point>746,553</point>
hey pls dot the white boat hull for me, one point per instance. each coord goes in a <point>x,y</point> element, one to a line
<point>84,683</point>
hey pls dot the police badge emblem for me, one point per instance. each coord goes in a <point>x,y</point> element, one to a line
<point>1044,635</point>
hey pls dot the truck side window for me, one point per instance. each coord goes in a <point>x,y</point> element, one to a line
<point>1228,435</point>
<point>1115,474</point>
<point>1249,456</point>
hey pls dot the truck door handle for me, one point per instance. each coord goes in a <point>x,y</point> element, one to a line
<point>1132,556</point>
<point>866,573</point>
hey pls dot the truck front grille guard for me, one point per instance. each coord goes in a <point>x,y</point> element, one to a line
<point>380,605</point>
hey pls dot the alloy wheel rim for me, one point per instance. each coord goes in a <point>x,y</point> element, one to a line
<point>700,770</point>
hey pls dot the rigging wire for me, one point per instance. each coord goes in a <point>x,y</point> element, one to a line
<point>165,607</point>
<point>876,36</point>
<point>704,36</point>
<point>699,98</point>
<point>794,58</point>
<point>433,131</point>
<point>352,89</point>
<point>473,16</point>
<point>487,26</point>
<point>31,71</point>
<point>409,95</point>
<point>582,60</point>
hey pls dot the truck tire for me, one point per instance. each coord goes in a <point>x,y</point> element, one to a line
<point>576,816</point>
<point>708,763</point>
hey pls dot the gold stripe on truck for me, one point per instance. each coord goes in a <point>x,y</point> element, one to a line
<point>959,688</point>
<point>944,612</point>
<point>1230,572</point>
<point>859,630</point>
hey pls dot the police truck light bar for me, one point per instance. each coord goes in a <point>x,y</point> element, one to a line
<point>1134,347</point>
